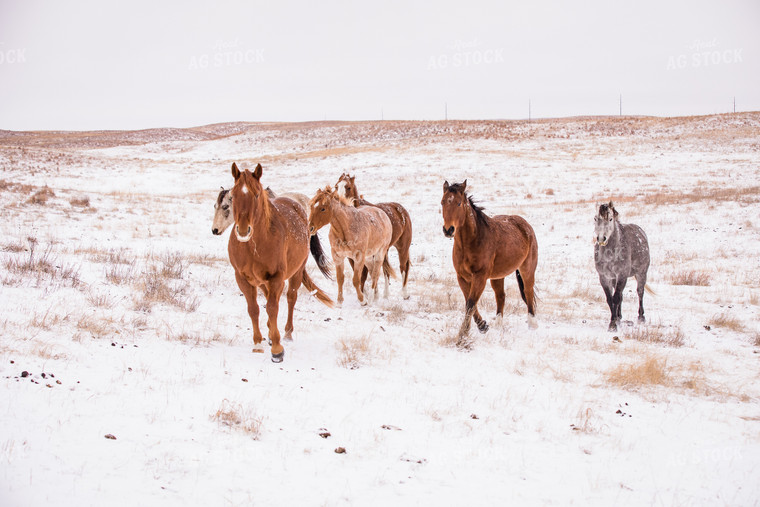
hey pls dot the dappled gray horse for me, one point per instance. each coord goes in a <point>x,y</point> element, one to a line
<point>620,251</point>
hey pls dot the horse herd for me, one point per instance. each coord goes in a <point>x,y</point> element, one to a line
<point>273,234</point>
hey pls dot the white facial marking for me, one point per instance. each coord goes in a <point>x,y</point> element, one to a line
<point>245,189</point>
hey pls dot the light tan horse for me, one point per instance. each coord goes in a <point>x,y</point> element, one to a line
<point>401,222</point>
<point>268,245</point>
<point>360,234</point>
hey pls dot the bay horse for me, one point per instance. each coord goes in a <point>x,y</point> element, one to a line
<point>223,218</point>
<point>488,248</point>
<point>268,245</point>
<point>401,222</point>
<point>360,234</point>
<point>620,252</point>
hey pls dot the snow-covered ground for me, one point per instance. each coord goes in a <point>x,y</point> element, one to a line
<point>126,371</point>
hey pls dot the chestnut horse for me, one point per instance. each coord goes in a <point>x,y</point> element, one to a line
<point>268,245</point>
<point>401,236</point>
<point>362,235</point>
<point>223,218</point>
<point>488,248</point>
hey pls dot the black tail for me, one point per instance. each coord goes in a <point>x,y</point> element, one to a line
<point>323,263</point>
<point>521,285</point>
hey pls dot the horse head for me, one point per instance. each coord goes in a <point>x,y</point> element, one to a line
<point>346,187</point>
<point>320,209</point>
<point>247,194</point>
<point>222,212</point>
<point>454,207</point>
<point>604,223</point>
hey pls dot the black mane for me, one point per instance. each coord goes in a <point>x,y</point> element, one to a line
<point>480,217</point>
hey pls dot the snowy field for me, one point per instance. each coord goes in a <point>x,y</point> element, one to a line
<point>126,371</point>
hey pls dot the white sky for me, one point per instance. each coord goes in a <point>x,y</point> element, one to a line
<point>92,65</point>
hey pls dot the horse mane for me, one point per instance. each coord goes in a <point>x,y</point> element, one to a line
<point>222,194</point>
<point>604,211</point>
<point>348,201</point>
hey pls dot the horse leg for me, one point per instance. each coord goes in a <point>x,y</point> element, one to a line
<point>339,277</point>
<point>617,298</point>
<point>641,282</point>
<point>386,276</point>
<point>293,284</point>
<point>607,286</point>
<point>497,284</point>
<point>402,247</point>
<point>275,286</point>
<point>358,267</point>
<point>250,293</point>
<point>471,305</point>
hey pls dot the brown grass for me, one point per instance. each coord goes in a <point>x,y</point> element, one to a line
<point>41,196</point>
<point>120,274</point>
<point>693,277</point>
<point>156,287</point>
<point>672,337</point>
<point>738,194</point>
<point>233,415</point>
<point>651,370</point>
<point>80,202</point>
<point>98,328</point>
<point>586,422</point>
<point>42,267</point>
<point>725,320</point>
<point>756,340</point>
<point>353,353</point>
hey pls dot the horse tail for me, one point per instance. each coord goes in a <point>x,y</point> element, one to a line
<point>315,291</point>
<point>323,262</point>
<point>387,268</point>
<point>649,290</point>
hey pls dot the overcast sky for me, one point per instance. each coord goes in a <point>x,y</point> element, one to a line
<point>83,64</point>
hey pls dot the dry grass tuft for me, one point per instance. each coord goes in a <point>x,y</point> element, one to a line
<point>235,416</point>
<point>691,277</point>
<point>98,328</point>
<point>353,353</point>
<point>41,196</point>
<point>464,342</point>
<point>47,320</point>
<point>120,274</point>
<point>42,267</point>
<point>756,340</point>
<point>16,247</point>
<point>156,287</point>
<point>650,371</point>
<point>587,422</point>
<point>80,202</point>
<point>727,321</point>
<point>672,337</point>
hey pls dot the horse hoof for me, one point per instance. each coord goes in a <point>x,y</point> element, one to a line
<point>277,358</point>
<point>612,328</point>
<point>642,320</point>
<point>482,326</point>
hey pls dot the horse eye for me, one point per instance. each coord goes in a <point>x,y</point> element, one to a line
<point>225,207</point>
<point>459,205</point>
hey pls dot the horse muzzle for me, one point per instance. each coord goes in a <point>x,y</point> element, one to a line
<point>449,233</point>
<point>247,237</point>
<point>215,231</point>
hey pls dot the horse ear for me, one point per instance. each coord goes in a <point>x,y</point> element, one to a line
<point>235,171</point>
<point>257,172</point>
<point>464,186</point>
<point>445,186</point>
